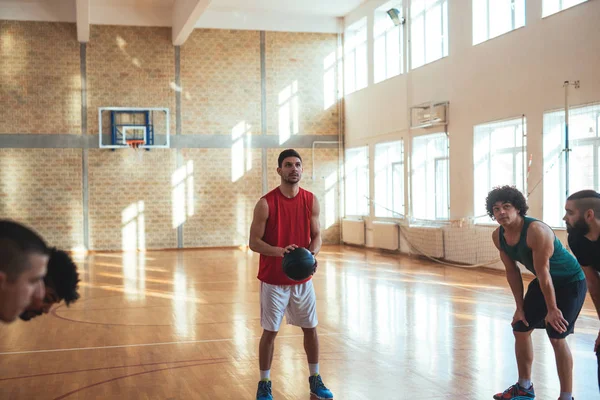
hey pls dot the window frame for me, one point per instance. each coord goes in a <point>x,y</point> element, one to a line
<point>561,8</point>
<point>356,173</point>
<point>391,178</point>
<point>561,160</point>
<point>386,35</point>
<point>487,129</point>
<point>434,160</point>
<point>444,21</point>
<point>513,26</point>
<point>352,35</point>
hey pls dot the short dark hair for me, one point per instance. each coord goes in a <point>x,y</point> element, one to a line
<point>62,276</point>
<point>584,194</point>
<point>587,200</point>
<point>506,194</point>
<point>16,243</point>
<point>285,154</point>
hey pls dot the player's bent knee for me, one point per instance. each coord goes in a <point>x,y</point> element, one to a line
<point>269,335</point>
<point>557,341</point>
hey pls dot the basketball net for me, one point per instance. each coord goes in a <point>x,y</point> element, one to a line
<point>135,145</point>
<point>457,242</point>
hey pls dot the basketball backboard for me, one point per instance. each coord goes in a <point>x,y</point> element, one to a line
<point>123,127</point>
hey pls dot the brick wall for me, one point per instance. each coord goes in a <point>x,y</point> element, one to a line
<point>129,67</point>
<point>130,199</point>
<point>299,72</point>
<point>40,81</point>
<point>227,183</point>
<point>138,199</point>
<point>43,188</point>
<point>221,83</point>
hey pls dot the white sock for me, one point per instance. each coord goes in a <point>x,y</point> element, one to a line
<point>565,396</point>
<point>525,383</point>
<point>265,375</point>
<point>314,369</point>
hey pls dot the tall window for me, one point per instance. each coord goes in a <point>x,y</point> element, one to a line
<point>389,179</point>
<point>583,165</point>
<point>429,178</point>
<point>550,7</point>
<point>355,59</point>
<point>387,42</point>
<point>429,31</point>
<point>357,181</point>
<point>499,158</point>
<point>493,18</point>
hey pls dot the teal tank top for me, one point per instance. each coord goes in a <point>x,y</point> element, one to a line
<point>564,268</point>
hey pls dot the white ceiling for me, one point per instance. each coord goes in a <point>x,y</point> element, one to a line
<point>329,8</point>
<point>270,15</point>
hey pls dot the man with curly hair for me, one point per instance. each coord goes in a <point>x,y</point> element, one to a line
<point>60,282</point>
<point>553,299</point>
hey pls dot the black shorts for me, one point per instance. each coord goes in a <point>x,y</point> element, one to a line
<point>569,299</point>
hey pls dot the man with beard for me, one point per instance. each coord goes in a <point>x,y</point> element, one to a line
<point>553,299</point>
<point>583,225</point>
<point>23,260</point>
<point>284,219</point>
<point>60,282</point>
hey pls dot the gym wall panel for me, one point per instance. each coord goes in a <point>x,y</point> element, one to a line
<point>301,75</point>
<point>40,81</point>
<point>131,199</point>
<point>226,184</point>
<point>221,82</point>
<point>129,66</point>
<point>42,188</point>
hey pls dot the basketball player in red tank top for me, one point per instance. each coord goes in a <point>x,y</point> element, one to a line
<point>285,218</point>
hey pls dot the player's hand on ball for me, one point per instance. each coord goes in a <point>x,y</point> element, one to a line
<point>288,248</point>
<point>316,262</point>
<point>556,320</point>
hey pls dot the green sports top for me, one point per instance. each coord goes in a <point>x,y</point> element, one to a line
<point>564,268</point>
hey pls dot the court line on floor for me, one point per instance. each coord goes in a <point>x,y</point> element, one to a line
<point>234,321</point>
<point>150,344</point>
<point>129,376</point>
<point>63,396</point>
<point>12,378</point>
<point>324,356</point>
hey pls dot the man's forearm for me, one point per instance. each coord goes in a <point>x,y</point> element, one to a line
<point>315,244</point>
<point>513,276</point>
<point>262,247</point>
<point>547,289</point>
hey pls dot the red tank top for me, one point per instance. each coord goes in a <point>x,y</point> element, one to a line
<point>288,223</point>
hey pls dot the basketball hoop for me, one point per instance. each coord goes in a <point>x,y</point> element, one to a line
<point>135,144</point>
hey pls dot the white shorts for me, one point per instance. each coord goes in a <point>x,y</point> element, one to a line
<point>297,302</point>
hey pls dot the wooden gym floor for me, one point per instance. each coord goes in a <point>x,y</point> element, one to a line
<point>185,325</point>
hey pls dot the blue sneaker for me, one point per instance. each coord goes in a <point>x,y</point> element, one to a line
<point>516,392</point>
<point>318,389</point>
<point>264,391</point>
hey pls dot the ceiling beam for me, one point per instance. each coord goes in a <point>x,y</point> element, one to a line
<point>185,15</point>
<point>82,11</point>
